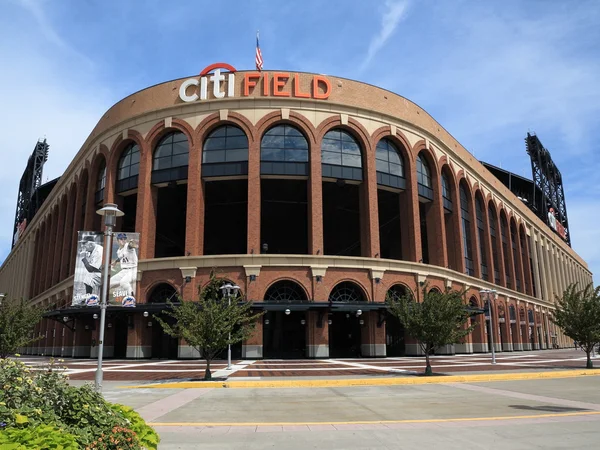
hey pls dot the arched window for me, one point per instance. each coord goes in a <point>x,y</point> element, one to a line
<point>100,183</point>
<point>481,236</point>
<point>512,312</point>
<point>424,178</point>
<point>284,151</point>
<point>225,152</point>
<point>530,316</point>
<point>466,230</point>
<point>346,292</point>
<point>513,242</point>
<point>527,263</point>
<point>161,293</point>
<point>128,168</point>
<point>503,233</point>
<point>493,238</point>
<point>171,156</point>
<point>341,156</point>
<point>397,292</point>
<point>285,291</point>
<point>446,193</point>
<point>389,165</point>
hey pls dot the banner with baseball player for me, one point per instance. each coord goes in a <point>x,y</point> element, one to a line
<point>87,283</point>
<point>123,269</point>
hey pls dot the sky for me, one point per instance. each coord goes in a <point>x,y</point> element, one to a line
<point>488,72</point>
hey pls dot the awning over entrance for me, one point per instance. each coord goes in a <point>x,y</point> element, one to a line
<point>319,306</point>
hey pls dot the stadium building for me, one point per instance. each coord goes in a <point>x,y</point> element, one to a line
<point>317,195</point>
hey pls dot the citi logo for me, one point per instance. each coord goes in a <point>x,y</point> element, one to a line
<point>194,89</point>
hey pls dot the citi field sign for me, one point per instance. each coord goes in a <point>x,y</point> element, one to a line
<point>270,83</point>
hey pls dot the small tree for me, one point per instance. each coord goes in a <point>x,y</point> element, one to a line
<point>578,314</point>
<point>440,319</point>
<point>17,321</point>
<point>207,325</point>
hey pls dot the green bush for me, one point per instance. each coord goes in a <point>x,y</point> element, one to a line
<point>38,437</point>
<point>31,398</point>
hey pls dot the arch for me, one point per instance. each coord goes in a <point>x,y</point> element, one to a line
<point>424,176</point>
<point>435,289</point>
<point>451,218</point>
<point>285,291</point>
<point>170,158</point>
<point>516,254</point>
<point>294,119</point>
<point>354,127</point>
<point>347,292</point>
<point>98,175</point>
<point>400,141</point>
<point>494,240</point>
<point>284,150</point>
<point>225,151</point>
<point>159,130</point>
<point>160,293</point>
<point>512,313</point>
<point>530,287</point>
<point>342,155</point>
<point>504,239</point>
<point>480,224</point>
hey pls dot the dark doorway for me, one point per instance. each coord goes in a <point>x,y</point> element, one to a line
<point>394,336</point>
<point>236,353</point>
<point>129,207</point>
<point>423,212</point>
<point>344,335</point>
<point>171,220</point>
<point>284,216</point>
<point>341,219</point>
<point>163,345</point>
<point>225,217</point>
<point>120,343</point>
<point>390,239</point>
<point>284,336</point>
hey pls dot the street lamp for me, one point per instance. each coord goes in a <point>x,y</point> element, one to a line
<point>110,213</point>
<point>489,293</point>
<point>229,291</point>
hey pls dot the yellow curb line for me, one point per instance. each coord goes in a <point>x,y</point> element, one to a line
<point>325,383</point>
<point>365,422</point>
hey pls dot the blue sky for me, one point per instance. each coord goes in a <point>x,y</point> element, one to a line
<point>489,72</point>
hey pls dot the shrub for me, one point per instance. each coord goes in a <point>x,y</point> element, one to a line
<point>41,436</point>
<point>32,398</point>
<point>118,438</point>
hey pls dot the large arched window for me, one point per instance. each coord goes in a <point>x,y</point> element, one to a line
<point>285,291</point>
<point>389,165</point>
<point>128,168</point>
<point>346,292</point>
<point>341,156</point>
<point>397,292</point>
<point>513,313</point>
<point>504,235</point>
<point>513,242</point>
<point>424,183</point>
<point>446,193</point>
<point>170,160</point>
<point>481,236</point>
<point>494,241</point>
<point>161,293</point>
<point>225,152</point>
<point>527,263</point>
<point>466,230</point>
<point>284,151</point>
<point>100,183</point>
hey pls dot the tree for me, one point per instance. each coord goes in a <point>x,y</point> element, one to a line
<point>440,319</point>
<point>578,314</point>
<point>17,321</point>
<point>207,325</point>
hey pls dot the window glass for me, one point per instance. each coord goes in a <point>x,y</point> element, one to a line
<point>388,159</point>
<point>284,143</point>
<point>171,151</point>
<point>227,143</point>
<point>343,144</point>
<point>423,172</point>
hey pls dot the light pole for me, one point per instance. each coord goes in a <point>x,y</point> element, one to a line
<point>110,213</point>
<point>489,293</point>
<point>229,291</point>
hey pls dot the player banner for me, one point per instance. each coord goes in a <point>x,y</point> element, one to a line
<point>87,283</point>
<point>123,269</point>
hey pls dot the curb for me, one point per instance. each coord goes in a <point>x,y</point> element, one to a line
<point>368,381</point>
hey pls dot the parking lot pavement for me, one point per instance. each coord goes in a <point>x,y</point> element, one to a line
<point>558,413</point>
<point>156,370</point>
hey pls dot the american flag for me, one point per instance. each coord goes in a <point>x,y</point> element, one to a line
<point>258,58</point>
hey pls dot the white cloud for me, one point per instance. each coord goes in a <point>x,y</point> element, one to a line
<point>394,13</point>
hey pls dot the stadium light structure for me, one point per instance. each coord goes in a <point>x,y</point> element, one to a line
<point>110,212</point>
<point>491,293</point>
<point>229,290</point>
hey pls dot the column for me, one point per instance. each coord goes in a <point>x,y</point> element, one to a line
<point>194,234</point>
<point>67,238</point>
<point>145,215</point>
<point>536,266</point>
<point>254,243</point>
<point>315,207</point>
<point>59,239</point>
<point>369,210</point>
